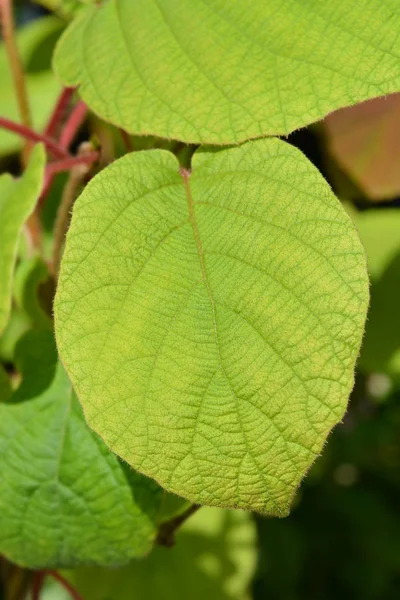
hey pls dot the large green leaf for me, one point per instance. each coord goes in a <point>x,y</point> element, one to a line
<point>220,72</point>
<point>210,323</point>
<point>17,200</point>
<point>35,43</point>
<point>380,233</point>
<point>64,498</point>
<point>214,558</point>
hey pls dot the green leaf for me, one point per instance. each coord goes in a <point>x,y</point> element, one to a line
<point>223,72</point>
<point>365,140</point>
<point>210,323</point>
<point>379,230</point>
<point>214,558</point>
<point>17,200</point>
<point>18,324</point>
<point>380,233</point>
<point>35,43</point>
<point>31,277</point>
<point>65,499</point>
<point>5,385</point>
<point>66,9</point>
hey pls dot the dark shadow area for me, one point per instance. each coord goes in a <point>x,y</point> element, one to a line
<point>342,539</point>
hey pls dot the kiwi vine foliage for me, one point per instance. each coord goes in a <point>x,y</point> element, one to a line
<point>213,290</point>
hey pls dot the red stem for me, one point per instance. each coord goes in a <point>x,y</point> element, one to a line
<point>68,163</point>
<point>75,120</point>
<point>65,583</point>
<point>31,135</point>
<point>59,111</point>
<point>64,165</point>
<point>37,584</point>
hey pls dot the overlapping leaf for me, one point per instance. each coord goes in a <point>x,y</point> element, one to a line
<point>18,324</point>
<point>5,385</point>
<point>64,498</point>
<point>64,8</point>
<point>17,200</point>
<point>210,322</point>
<point>223,72</point>
<point>31,278</point>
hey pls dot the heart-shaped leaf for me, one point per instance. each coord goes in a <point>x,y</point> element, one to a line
<point>210,322</point>
<point>65,499</point>
<point>17,200</point>
<point>221,71</point>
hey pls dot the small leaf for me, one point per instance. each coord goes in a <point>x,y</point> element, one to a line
<point>210,323</point>
<point>18,324</point>
<point>17,200</point>
<point>380,233</point>
<point>65,499</point>
<point>223,72</point>
<point>5,385</point>
<point>66,9</point>
<point>365,139</point>
<point>30,278</point>
<point>35,44</point>
<point>214,558</point>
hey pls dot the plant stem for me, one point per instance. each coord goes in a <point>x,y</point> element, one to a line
<point>8,29</point>
<point>65,583</point>
<point>59,111</point>
<point>15,581</point>
<point>33,228</point>
<point>127,140</point>
<point>66,164</point>
<point>75,120</point>
<point>71,190</point>
<point>167,531</point>
<point>31,135</point>
<point>37,584</point>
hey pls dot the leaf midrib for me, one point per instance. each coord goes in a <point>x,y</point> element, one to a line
<point>185,175</point>
<point>192,217</point>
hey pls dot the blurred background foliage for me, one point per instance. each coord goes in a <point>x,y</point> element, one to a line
<point>342,539</point>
